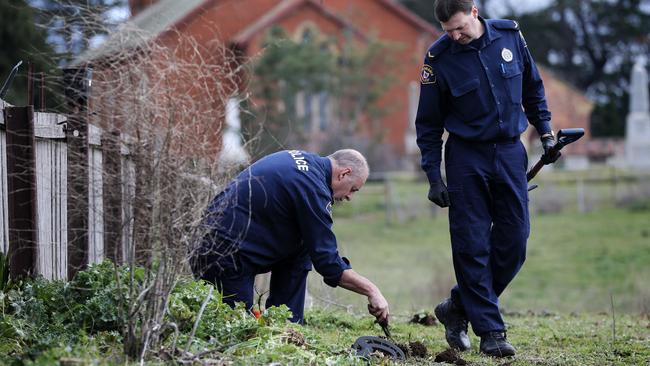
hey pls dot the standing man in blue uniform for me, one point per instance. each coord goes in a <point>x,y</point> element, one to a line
<point>277,216</point>
<point>475,80</point>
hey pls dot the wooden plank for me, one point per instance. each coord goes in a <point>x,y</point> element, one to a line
<point>128,198</point>
<point>49,125</point>
<point>94,135</point>
<point>4,210</point>
<point>4,205</point>
<point>95,207</point>
<point>52,208</point>
<point>21,190</point>
<point>77,89</point>
<point>113,216</point>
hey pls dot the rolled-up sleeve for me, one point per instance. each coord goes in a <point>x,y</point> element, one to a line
<point>315,224</point>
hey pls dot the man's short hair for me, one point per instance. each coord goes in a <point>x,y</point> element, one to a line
<point>350,158</point>
<point>445,9</point>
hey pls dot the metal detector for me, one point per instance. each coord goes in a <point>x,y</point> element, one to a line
<point>564,137</point>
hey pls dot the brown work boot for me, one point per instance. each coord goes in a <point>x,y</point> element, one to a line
<point>455,324</point>
<point>495,344</point>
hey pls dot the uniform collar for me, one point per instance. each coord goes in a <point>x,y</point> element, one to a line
<point>490,35</point>
<point>327,169</point>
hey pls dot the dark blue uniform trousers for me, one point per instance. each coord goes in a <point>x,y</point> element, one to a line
<point>288,286</point>
<point>488,222</point>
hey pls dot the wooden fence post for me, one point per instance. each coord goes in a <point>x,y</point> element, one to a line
<point>77,83</point>
<point>21,189</point>
<point>112,174</point>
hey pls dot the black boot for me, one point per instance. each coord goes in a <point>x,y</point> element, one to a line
<point>455,324</point>
<point>495,344</point>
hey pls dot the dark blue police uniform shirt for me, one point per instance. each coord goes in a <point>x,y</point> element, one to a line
<point>477,91</point>
<point>279,212</point>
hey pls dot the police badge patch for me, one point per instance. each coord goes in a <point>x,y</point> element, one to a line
<point>428,75</point>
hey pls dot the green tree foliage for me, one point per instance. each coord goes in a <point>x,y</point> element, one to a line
<point>73,26</point>
<point>343,80</point>
<point>593,45</point>
<point>23,41</point>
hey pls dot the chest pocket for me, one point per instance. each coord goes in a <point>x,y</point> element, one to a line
<point>469,103</point>
<point>511,72</point>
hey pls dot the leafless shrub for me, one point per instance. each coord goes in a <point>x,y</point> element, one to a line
<point>162,100</point>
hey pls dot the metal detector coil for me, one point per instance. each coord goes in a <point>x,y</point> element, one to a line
<point>368,344</point>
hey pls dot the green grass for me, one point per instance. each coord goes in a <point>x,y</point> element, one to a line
<point>575,262</point>
<point>543,339</point>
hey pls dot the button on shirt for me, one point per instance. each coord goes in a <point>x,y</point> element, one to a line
<point>278,211</point>
<point>477,91</point>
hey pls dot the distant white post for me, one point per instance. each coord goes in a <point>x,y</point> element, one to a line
<point>637,127</point>
<point>232,152</point>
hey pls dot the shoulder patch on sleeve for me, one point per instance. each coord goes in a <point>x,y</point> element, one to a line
<point>428,75</point>
<point>438,47</point>
<point>505,24</point>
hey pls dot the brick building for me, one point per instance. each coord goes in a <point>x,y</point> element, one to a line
<point>242,25</point>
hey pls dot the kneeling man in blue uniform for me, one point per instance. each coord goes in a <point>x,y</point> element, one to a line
<point>276,216</point>
<point>480,83</point>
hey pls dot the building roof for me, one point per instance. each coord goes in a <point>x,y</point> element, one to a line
<point>410,17</point>
<point>283,10</point>
<point>148,24</point>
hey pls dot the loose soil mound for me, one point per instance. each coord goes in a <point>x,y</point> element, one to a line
<point>424,319</point>
<point>450,356</point>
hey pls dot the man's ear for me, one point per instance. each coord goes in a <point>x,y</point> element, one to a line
<point>344,172</point>
<point>474,11</point>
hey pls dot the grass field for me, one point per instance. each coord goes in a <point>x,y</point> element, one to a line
<point>575,262</point>
<point>543,339</point>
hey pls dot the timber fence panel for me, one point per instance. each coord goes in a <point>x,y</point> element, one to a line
<point>51,195</point>
<point>128,198</point>
<point>21,188</point>
<point>4,205</point>
<point>95,197</point>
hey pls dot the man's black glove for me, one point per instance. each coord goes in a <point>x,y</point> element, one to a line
<point>438,193</point>
<point>548,142</point>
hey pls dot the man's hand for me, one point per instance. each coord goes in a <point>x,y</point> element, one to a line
<point>378,307</point>
<point>438,193</point>
<point>377,304</point>
<point>548,142</point>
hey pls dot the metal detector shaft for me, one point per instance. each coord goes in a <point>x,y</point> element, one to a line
<point>564,137</point>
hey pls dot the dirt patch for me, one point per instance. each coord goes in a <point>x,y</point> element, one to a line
<point>413,349</point>
<point>424,318</point>
<point>418,349</point>
<point>451,356</point>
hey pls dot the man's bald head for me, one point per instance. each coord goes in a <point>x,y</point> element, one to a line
<point>350,158</point>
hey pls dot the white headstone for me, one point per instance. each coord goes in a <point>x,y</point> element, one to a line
<point>637,127</point>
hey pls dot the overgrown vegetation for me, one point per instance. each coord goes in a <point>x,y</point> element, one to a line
<point>80,322</point>
<point>44,321</point>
